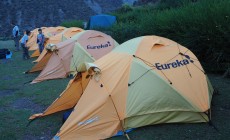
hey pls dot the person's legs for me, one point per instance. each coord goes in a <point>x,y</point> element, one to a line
<point>16,41</point>
<point>24,51</point>
<point>27,53</point>
<point>41,47</point>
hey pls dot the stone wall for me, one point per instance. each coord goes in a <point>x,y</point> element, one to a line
<point>29,14</point>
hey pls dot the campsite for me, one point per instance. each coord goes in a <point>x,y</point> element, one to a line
<point>21,101</point>
<point>153,70</point>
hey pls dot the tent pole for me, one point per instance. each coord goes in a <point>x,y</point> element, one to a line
<point>124,133</point>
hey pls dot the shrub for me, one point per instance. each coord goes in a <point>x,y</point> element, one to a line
<point>202,26</point>
<point>73,23</point>
<point>168,4</point>
<point>124,9</point>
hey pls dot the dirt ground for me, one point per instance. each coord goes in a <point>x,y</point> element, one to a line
<point>18,101</point>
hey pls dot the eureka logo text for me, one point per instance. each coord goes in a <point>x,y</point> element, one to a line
<point>99,46</point>
<point>175,64</point>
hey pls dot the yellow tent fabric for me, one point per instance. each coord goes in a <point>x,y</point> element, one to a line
<point>144,81</point>
<point>86,46</point>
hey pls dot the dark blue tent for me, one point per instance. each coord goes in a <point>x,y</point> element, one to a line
<point>101,21</point>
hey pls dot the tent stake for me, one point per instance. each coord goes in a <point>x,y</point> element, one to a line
<point>127,136</point>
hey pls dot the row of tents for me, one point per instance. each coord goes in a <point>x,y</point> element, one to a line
<point>75,47</point>
<point>145,81</point>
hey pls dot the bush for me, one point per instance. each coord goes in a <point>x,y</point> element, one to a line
<point>124,9</point>
<point>201,26</point>
<point>124,32</point>
<point>168,4</point>
<point>73,23</point>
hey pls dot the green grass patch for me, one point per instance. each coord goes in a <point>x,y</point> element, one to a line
<point>19,99</point>
<point>73,23</point>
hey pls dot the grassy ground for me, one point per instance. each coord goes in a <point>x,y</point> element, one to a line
<point>18,101</point>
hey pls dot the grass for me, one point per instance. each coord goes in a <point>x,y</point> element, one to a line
<point>73,23</point>
<point>18,101</point>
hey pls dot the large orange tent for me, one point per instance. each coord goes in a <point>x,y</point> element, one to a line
<point>68,57</point>
<point>145,81</point>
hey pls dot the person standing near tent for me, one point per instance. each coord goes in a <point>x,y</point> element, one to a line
<point>24,46</point>
<point>15,33</point>
<point>40,40</point>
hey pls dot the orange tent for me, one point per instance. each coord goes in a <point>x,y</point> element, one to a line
<point>145,81</point>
